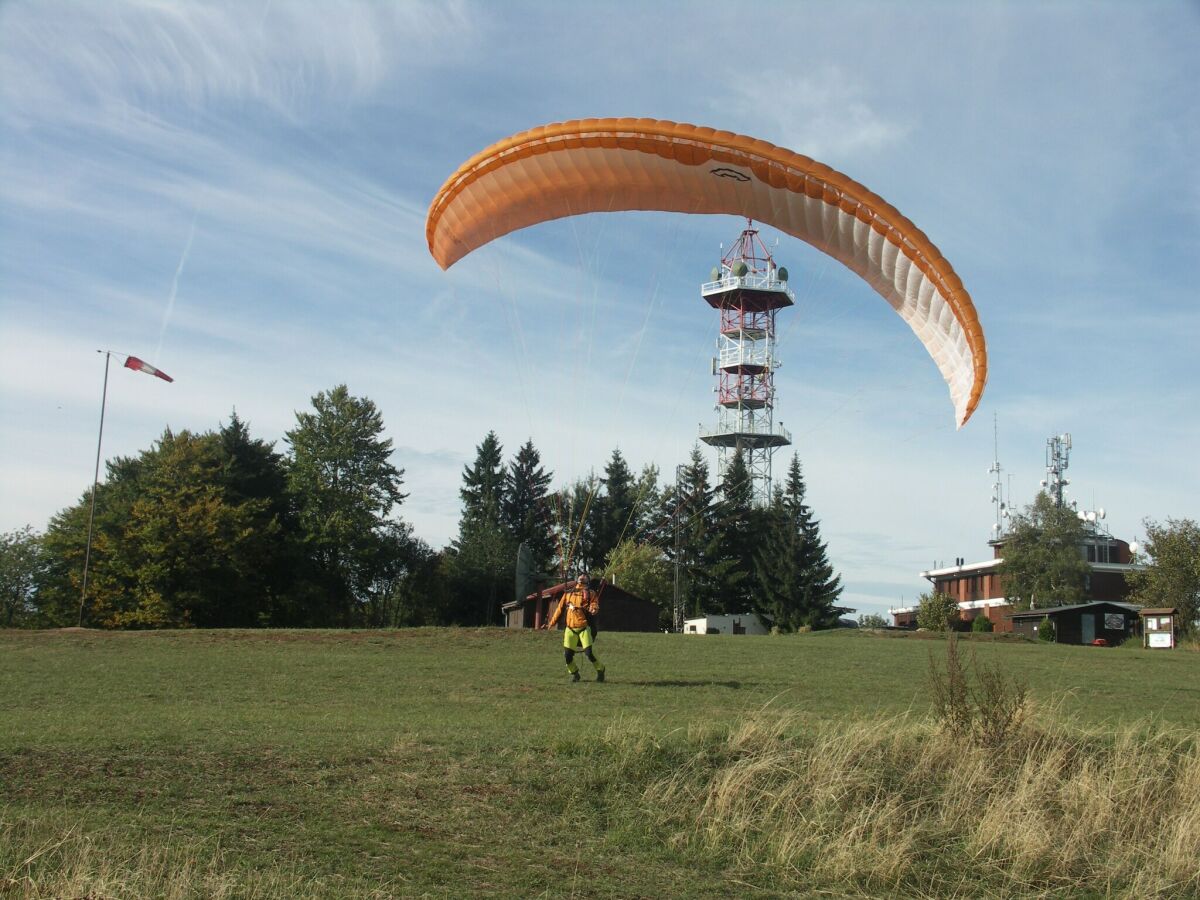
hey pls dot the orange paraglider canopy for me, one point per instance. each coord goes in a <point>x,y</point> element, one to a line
<point>609,165</point>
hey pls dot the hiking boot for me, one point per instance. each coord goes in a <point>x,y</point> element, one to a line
<point>600,675</point>
<point>574,676</point>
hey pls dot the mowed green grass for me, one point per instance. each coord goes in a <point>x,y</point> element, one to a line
<point>439,762</point>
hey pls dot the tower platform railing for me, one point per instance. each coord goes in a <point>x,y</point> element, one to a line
<point>750,281</point>
<point>741,355</point>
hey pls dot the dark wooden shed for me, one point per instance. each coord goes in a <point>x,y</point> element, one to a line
<point>619,609</point>
<point>1083,623</point>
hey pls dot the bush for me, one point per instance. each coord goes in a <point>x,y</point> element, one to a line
<point>982,624</point>
<point>936,612</point>
<point>1046,631</point>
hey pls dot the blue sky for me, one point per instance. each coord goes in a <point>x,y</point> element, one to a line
<point>236,192</point>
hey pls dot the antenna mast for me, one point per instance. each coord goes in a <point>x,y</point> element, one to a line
<point>998,526</point>
<point>1058,457</point>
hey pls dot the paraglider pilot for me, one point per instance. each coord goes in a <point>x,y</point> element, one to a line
<point>582,605</point>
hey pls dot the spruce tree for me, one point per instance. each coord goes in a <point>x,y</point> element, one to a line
<point>649,499</point>
<point>526,505</point>
<point>253,470</point>
<point>576,527</point>
<point>731,568</point>
<point>796,582</point>
<point>614,510</point>
<point>696,544</point>
<point>483,481</point>
<point>482,558</point>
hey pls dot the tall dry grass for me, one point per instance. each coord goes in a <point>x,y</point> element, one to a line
<point>52,858</point>
<point>903,807</point>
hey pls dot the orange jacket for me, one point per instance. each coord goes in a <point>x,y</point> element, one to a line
<point>575,601</point>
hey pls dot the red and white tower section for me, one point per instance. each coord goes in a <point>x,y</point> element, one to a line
<point>747,290</point>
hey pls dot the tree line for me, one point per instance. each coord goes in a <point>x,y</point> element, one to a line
<point>220,529</point>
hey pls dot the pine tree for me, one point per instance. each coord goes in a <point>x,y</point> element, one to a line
<point>731,570</point>
<point>253,470</point>
<point>526,506</point>
<point>482,559</point>
<point>695,541</point>
<point>575,527</point>
<point>483,481</point>
<point>796,582</point>
<point>647,522</point>
<point>613,510</point>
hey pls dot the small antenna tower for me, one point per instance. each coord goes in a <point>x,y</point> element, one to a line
<point>747,289</point>
<point>999,526</point>
<point>1058,457</point>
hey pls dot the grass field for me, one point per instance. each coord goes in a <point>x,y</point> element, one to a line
<point>454,762</point>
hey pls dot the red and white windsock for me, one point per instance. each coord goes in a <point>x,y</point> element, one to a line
<point>138,365</point>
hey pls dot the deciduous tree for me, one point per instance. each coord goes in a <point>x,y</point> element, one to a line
<point>21,565</point>
<point>643,570</point>
<point>1172,574</point>
<point>936,611</point>
<point>173,544</point>
<point>345,489</point>
<point>1043,562</point>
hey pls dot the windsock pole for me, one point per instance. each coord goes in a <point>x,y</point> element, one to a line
<point>87,556</point>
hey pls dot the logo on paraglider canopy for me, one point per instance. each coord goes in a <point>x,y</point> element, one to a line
<point>723,172</point>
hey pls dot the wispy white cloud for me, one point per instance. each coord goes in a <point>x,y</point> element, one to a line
<point>827,113</point>
<point>287,57</point>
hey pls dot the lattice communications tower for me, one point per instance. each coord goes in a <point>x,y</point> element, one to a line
<point>1058,457</point>
<point>747,290</point>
